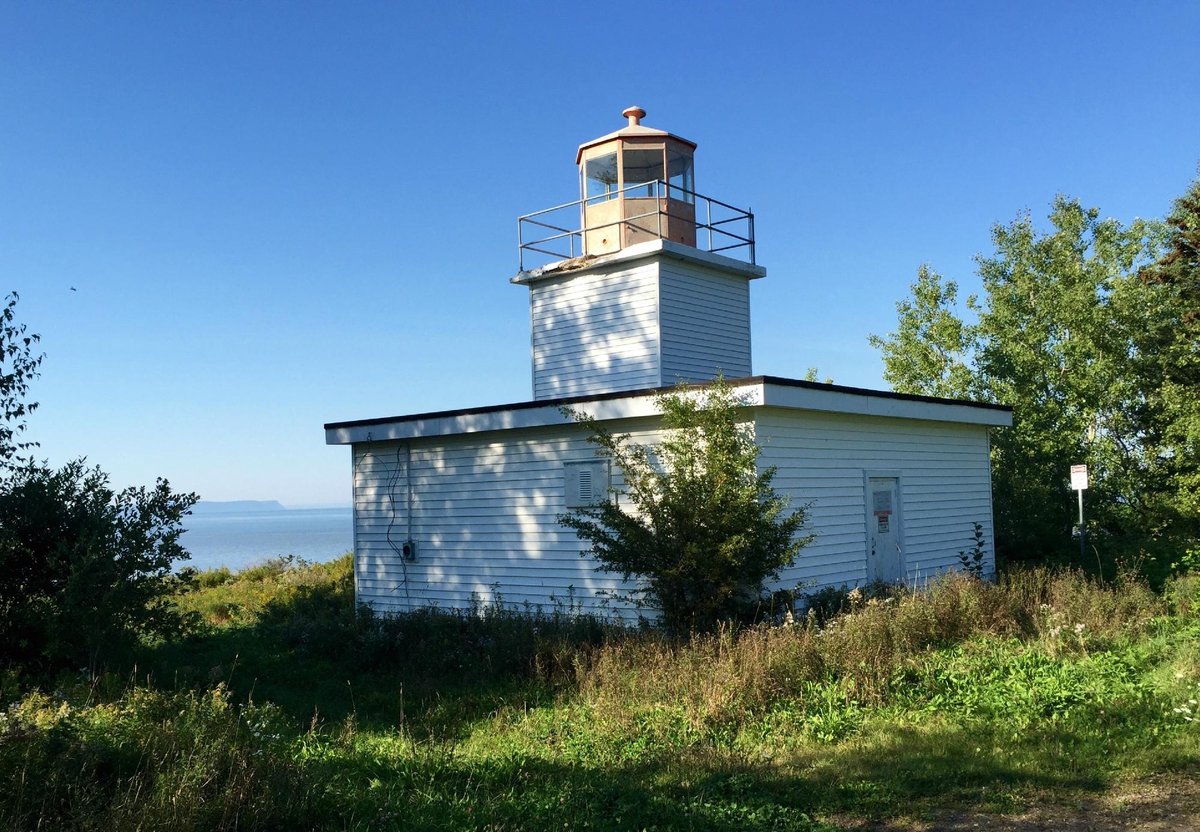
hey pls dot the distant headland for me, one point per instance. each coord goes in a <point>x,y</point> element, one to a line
<point>236,506</point>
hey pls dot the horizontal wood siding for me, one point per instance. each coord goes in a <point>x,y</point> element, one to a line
<point>484,511</point>
<point>595,333</point>
<point>705,320</point>
<point>945,487</point>
<point>485,507</point>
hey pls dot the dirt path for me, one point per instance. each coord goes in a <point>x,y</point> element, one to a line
<point>1158,804</point>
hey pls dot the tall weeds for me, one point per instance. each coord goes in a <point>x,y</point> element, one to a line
<point>147,760</point>
<point>449,710</point>
<point>723,677</point>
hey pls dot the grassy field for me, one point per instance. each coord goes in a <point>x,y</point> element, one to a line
<point>283,710</point>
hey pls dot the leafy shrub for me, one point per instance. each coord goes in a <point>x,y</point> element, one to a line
<point>1183,594</point>
<point>87,570</point>
<point>210,578</point>
<point>705,528</point>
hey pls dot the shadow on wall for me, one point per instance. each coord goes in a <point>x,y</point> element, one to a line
<point>484,519</point>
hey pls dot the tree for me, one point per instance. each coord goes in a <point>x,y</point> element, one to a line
<point>700,527</point>
<point>928,352</point>
<point>1167,359</point>
<point>86,570</point>
<point>1054,338</point>
<point>18,366</point>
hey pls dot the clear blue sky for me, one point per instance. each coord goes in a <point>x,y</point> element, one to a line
<point>276,214</point>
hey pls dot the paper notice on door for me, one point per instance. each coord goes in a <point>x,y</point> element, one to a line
<point>883,501</point>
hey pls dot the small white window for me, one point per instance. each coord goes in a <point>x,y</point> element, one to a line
<point>585,483</point>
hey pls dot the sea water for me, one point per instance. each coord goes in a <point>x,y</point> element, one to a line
<point>242,538</point>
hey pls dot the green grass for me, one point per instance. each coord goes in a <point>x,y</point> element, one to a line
<point>286,710</point>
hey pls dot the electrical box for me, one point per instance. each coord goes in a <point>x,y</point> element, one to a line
<point>408,550</point>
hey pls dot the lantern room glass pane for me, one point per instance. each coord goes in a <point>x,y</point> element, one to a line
<point>642,166</point>
<point>681,182</point>
<point>600,178</point>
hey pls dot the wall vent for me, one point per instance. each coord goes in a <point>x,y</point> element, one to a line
<point>585,483</point>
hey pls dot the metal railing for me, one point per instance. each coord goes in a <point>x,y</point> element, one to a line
<point>558,233</point>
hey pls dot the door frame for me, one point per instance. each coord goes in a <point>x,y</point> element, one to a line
<point>898,517</point>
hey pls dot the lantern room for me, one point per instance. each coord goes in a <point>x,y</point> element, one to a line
<point>636,185</point>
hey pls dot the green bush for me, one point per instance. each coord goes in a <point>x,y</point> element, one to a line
<point>704,528</point>
<point>87,570</point>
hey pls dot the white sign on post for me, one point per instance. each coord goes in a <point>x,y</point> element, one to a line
<point>1079,477</point>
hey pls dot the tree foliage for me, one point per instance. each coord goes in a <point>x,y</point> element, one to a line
<point>1168,359</point>
<point>928,352</point>
<point>87,570</point>
<point>1084,331</point>
<point>84,570</point>
<point>18,367</point>
<point>700,526</point>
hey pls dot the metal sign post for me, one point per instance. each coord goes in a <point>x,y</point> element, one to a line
<point>1079,481</point>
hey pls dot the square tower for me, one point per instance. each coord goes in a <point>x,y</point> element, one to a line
<point>649,300</point>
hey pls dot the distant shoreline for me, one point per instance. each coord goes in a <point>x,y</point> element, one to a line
<point>236,506</point>
<point>255,506</point>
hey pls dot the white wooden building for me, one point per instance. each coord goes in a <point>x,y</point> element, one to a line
<point>459,508</point>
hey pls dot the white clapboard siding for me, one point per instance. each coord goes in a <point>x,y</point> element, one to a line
<point>704,315</point>
<point>595,332</point>
<point>821,462</point>
<point>635,325</point>
<point>484,509</point>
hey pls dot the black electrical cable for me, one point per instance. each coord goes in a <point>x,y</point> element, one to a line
<point>391,493</point>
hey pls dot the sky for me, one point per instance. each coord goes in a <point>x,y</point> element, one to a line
<point>232,223</point>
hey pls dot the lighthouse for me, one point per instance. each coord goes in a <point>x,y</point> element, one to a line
<point>638,283</point>
<point>642,282</point>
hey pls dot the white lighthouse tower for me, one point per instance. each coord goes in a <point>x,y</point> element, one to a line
<point>643,281</point>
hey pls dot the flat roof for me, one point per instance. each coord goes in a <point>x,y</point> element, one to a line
<point>761,391</point>
<point>640,251</point>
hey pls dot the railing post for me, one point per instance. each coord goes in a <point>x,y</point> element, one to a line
<point>520,246</point>
<point>658,200</point>
<point>750,220</point>
<point>708,217</point>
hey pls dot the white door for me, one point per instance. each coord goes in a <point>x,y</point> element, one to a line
<point>885,559</point>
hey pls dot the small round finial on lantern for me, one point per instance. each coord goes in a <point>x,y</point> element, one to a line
<point>634,114</point>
